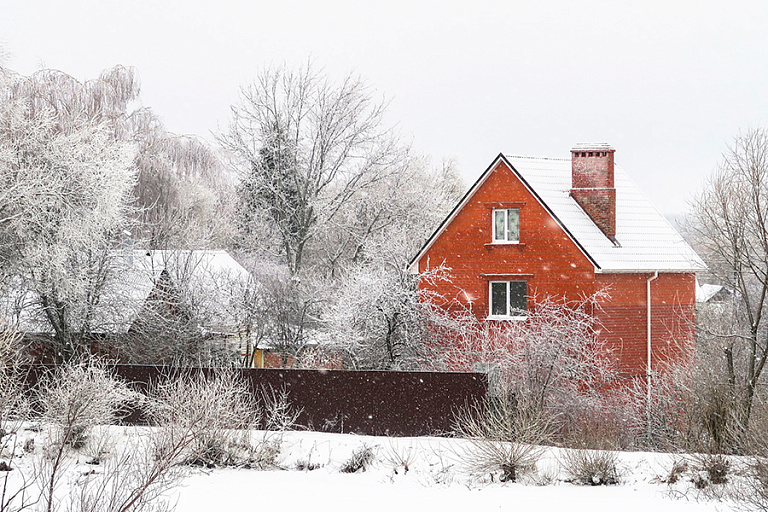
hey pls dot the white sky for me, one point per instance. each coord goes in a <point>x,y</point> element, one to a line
<point>667,83</point>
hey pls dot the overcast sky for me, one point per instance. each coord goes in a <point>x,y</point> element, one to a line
<point>668,84</point>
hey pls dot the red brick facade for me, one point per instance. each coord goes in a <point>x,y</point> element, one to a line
<point>554,266</point>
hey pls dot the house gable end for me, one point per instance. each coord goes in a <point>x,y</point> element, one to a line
<point>413,265</point>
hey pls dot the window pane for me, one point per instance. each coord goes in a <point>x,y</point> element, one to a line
<point>498,220</point>
<point>513,225</point>
<point>499,299</point>
<point>518,291</point>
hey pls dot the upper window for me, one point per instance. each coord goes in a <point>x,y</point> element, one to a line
<point>508,299</point>
<point>506,226</point>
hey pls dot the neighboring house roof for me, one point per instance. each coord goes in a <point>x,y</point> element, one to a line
<point>135,274</point>
<point>706,292</point>
<point>646,240</point>
<point>209,274</point>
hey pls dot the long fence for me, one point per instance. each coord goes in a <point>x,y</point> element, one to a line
<point>364,402</point>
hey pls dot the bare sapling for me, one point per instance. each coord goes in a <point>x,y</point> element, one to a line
<point>14,411</point>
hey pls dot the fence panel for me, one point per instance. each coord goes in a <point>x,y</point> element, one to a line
<point>364,402</point>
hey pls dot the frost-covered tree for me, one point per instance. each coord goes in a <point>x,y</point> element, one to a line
<point>65,181</point>
<point>377,314</point>
<point>387,223</point>
<point>378,319</point>
<point>81,170</point>
<point>730,229</point>
<point>281,310</point>
<point>306,146</point>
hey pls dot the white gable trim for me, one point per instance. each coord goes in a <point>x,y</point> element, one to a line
<point>413,266</point>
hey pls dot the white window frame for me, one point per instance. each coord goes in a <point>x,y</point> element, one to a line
<point>494,233</point>
<point>518,315</point>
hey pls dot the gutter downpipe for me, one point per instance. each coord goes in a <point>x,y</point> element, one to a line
<point>648,345</point>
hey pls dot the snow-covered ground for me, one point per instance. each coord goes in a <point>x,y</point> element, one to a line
<point>436,479</point>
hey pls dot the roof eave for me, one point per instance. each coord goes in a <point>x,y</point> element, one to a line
<point>650,270</point>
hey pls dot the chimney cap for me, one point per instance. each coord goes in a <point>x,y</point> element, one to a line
<point>592,146</point>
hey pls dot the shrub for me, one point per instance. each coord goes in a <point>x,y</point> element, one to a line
<point>361,459</point>
<point>133,480</point>
<point>73,400</point>
<point>755,492</point>
<point>503,436</point>
<point>591,467</point>
<point>79,396</point>
<point>217,413</point>
<point>13,412</point>
<point>679,467</point>
<point>712,469</point>
<point>399,459</point>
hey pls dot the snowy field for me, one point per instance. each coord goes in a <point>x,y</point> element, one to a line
<point>308,476</point>
<point>436,480</point>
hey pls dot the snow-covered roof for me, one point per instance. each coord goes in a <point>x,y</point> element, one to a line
<point>205,272</point>
<point>705,292</point>
<point>646,241</point>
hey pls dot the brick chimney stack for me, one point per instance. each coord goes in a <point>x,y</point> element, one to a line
<point>592,184</point>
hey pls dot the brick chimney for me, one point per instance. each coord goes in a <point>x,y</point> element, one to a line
<point>592,184</point>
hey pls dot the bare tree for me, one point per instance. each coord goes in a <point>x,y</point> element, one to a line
<point>280,311</point>
<point>307,146</point>
<point>731,229</point>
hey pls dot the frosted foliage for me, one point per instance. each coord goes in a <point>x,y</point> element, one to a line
<point>64,186</point>
<point>376,314</point>
<point>379,319</point>
<point>386,224</point>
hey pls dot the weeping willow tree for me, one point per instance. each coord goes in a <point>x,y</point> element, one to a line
<point>182,191</point>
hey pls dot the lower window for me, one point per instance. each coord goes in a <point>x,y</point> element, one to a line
<point>508,299</point>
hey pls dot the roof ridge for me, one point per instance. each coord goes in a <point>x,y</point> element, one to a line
<point>538,158</point>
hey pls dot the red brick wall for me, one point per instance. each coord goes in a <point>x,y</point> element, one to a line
<point>623,318</point>
<point>553,266</point>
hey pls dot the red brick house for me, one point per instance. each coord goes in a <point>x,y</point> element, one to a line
<point>534,228</point>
